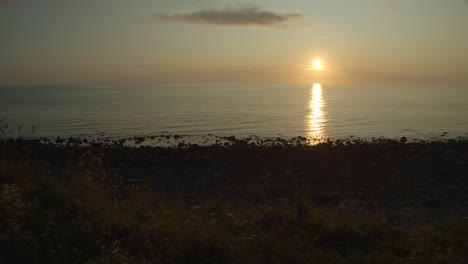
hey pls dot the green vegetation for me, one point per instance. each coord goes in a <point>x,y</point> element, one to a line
<point>77,215</point>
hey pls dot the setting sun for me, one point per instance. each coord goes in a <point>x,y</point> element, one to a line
<point>317,65</point>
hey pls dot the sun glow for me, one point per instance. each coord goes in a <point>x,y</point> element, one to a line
<point>317,65</point>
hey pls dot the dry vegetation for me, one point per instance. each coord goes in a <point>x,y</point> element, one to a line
<point>230,204</point>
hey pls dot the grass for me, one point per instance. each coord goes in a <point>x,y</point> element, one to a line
<point>79,215</point>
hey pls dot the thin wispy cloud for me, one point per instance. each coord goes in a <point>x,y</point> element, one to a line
<point>242,16</point>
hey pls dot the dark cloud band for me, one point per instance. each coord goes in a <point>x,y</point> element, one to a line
<point>230,17</point>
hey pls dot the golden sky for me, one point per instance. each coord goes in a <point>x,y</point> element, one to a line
<point>118,42</point>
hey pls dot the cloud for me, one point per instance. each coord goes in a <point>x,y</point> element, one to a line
<point>242,16</point>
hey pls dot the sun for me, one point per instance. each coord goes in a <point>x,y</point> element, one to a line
<point>317,65</point>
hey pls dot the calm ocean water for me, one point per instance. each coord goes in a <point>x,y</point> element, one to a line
<point>241,110</point>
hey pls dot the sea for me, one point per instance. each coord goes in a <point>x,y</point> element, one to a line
<point>314,111</point>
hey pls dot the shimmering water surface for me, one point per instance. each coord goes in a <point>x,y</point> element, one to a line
<point>316,110</point>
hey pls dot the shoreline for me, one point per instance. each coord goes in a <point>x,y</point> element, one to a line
<point>175,140</point>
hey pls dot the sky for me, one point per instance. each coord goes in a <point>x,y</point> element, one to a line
<point>121,42</point>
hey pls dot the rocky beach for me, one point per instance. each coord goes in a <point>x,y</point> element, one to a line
<point>406,183</point>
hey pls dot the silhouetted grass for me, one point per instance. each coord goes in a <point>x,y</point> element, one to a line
<point>76,212</point>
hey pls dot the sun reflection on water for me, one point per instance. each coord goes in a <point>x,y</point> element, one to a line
<point>316,119</point>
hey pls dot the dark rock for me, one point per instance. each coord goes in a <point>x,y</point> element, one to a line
<point>403,140</point>
<point>231,138</point>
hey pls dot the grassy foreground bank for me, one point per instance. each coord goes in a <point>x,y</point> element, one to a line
<point>239,203</point>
